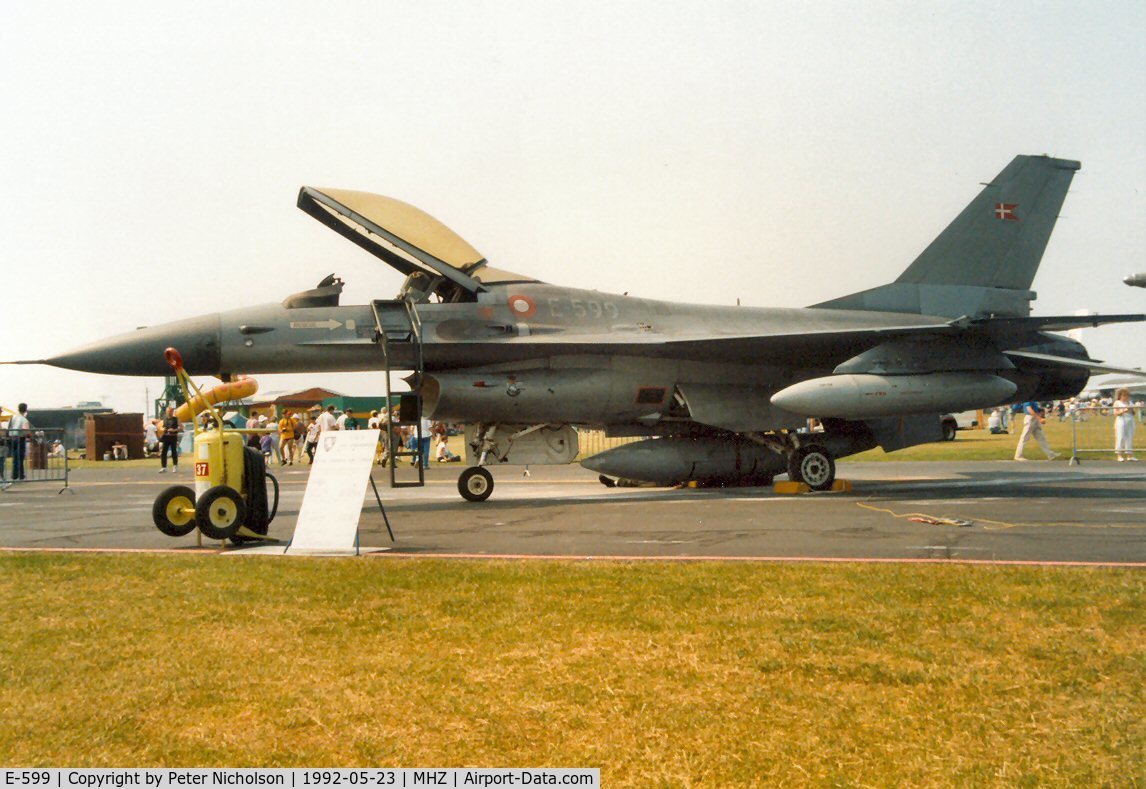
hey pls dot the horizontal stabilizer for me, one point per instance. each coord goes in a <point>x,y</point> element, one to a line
<point>1093,365</point>
<point>1046,323</point>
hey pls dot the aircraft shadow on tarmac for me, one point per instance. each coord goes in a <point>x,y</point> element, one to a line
<point>974,485</point>
<point>981,484</point>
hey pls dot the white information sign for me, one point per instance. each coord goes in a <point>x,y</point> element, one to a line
<point>332,502</point>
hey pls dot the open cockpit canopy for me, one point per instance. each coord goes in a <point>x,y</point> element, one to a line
<point>434,258</point>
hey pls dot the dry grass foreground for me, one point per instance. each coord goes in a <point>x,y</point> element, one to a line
<point>658,673</point>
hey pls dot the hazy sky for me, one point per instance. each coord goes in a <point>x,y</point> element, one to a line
<point>779,153</point>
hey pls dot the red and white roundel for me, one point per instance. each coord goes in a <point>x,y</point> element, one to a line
<point>522,306</point>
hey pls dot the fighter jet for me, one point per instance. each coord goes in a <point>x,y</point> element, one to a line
<point>714,394</point>
<point>1136,280</point>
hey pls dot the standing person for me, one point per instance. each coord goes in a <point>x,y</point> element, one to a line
<point>384,436</point>
<point>312,431</point>
<point>169,441</point>
<point>327,420</point>
<point>4,483</point>
<point>426,429</point>
<point>1123,427</point>
<point>347,421</point>
<point>253,440</point>
<point>375,423</point>
<point>150,438</point>
<point>286,440</point>
<point>299,423</point>
<point>266,439</point>
<point>1033,421</point>
<point>19,428</point>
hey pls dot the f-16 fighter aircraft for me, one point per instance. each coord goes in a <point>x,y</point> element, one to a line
<point>719,394</point>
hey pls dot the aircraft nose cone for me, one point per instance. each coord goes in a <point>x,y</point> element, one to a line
<point>141,352</point>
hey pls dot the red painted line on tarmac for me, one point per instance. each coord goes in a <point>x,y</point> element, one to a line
<point>772,559</point>
<point>183,551</point>
<point>382,553</point>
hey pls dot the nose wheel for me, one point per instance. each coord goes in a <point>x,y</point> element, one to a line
<point>475,484</point>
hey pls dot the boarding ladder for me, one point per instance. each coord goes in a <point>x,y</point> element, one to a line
<point>396,325</point>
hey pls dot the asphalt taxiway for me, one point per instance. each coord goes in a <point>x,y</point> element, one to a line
<point>1023,512</point>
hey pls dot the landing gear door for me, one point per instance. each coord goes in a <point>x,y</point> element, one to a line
<point>539,445</point>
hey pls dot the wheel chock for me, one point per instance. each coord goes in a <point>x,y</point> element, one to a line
<point>243,531</point>
<point>789,488</point>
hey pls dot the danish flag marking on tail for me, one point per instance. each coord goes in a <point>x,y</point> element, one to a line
<point>1006,211</point>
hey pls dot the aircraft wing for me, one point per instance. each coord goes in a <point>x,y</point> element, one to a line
<point>837,341</point>
<point>814,347</point>
<point>1093,365</point>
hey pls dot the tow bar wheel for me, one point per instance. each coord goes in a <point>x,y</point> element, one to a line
<point>475,484</point>
<point>220,512</point>
<point>174,511</point>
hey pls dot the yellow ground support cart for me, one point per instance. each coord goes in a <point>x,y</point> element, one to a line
<point>230,499</point>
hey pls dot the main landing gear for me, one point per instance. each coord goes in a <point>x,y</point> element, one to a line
<point>813,465</point>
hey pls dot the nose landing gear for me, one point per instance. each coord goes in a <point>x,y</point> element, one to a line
<point>475,484</point>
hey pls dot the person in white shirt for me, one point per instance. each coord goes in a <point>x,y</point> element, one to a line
<point>327,421</point>
<point>1123,427</point>
<point>19,428</point>
<point>424,444</point>
<point>150,438</point>
<point>312,431</point>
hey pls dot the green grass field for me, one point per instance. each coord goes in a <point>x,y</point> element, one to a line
<point>658,673</point>
<point>981,445</point>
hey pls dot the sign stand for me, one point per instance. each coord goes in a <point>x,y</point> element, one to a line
<point>332,503</point>
<point>381,508</point>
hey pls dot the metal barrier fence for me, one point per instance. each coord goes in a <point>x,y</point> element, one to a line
<point>1092,430</point>
<point>593,442</point>
<point>38,456</point>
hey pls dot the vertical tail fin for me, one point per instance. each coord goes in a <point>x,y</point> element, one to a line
<point>984,262</point>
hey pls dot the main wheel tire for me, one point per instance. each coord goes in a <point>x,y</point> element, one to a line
<point>949,431</point>
<point>174,511</point>
<point>220,512</point>
<point>475,484</point>
<point>813,466</point>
